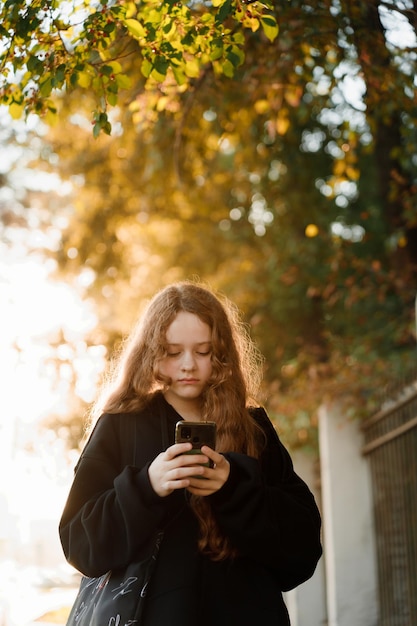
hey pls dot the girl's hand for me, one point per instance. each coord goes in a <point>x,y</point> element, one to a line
<point>173,469</point>
<point>212,478</point>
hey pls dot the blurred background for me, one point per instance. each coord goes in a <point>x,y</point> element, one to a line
<point>291,188</point>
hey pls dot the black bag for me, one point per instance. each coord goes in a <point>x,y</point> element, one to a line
<point>117,597</point>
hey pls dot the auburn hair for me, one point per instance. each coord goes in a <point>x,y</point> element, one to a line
<point>233,385</point>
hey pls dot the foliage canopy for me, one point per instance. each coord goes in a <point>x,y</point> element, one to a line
<point>279,167</point>
<point>50,45</point>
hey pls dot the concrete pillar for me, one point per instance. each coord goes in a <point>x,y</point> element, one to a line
<point>307,603</point>
<point>349,544</point>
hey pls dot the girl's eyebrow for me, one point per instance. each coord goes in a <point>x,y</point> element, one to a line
<point>199,343</point>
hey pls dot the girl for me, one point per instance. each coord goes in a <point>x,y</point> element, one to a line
<point>235,534</point>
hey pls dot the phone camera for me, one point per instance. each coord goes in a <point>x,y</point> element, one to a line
<point>186,432</point>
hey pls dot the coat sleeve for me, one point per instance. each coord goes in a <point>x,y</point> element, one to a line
<point>111,511</point>
<point>269,513</point>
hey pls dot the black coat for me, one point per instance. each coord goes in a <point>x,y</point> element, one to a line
<point>266,510</point>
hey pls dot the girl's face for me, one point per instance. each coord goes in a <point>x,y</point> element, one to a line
<point>187,364</point>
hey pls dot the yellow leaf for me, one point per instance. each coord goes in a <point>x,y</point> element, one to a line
<point>218,3</point>
<point>154,16</point>
<point>146,68</point>
<point>192,69</point>
<point>84,79</point>
<point>135,28</point>
<point>51,118</point>
<point>157,76</point>
<point>16,110</point>
<point>270,27</point>
<point>131,9</point>
<point>116,67</point>
<point>251,22</point>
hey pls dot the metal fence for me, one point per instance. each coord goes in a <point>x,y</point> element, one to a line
<point>391,445</point>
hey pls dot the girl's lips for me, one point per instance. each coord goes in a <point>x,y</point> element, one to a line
<point>188,380</point>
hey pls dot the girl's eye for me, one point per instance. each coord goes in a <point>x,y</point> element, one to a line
<point>206,353</point>
<point>172,354</point>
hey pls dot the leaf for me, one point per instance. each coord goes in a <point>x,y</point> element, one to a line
<point>116,67</point>
<point>161,65</point>
<point>135,28</point>
<point>84,79</point>
<point>228,69</point>
<point>224,11</point>
<point>60,73</point>
<point>192,68</point>
<point>270,27</point>
<point>216,53</point>
<point>123,81</point>
<point>235,55</point>
<point>156,75</point>
<point>16,110</point>
<point>51,117</point>
<point>146,68</point>
<point>155,16</point>
<point>101,124</point>
<point>45,87</point>
<point>252,23</point>
<point>179,75</point>
<point>35,66</point>
<point>112,98</point>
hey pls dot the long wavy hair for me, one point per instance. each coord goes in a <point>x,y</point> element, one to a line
<point>233,385</point>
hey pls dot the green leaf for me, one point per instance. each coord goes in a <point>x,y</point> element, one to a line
<point>216,53</point>
<point>228,69</point>
<point>161,65</point>
<point>235,56</point>
<point>45,87</point>
<point>123,81</point>
<point>60,73</point>
<point>224,11</point>
<point>101,124</point>
<point>178,75</point>
<point>106,70</point>
<point>112,98</point>
<point>35,66</point>
<point>270,27</point>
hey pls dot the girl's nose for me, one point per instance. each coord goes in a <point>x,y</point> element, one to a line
<point>188,362</point>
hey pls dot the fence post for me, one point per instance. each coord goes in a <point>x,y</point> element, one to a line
<point>307,603</point>
<point>349,542</point>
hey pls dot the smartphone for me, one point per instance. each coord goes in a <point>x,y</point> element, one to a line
<point>198,434</point>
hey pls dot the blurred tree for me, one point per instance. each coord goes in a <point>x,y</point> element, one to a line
<point>291,187</point>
